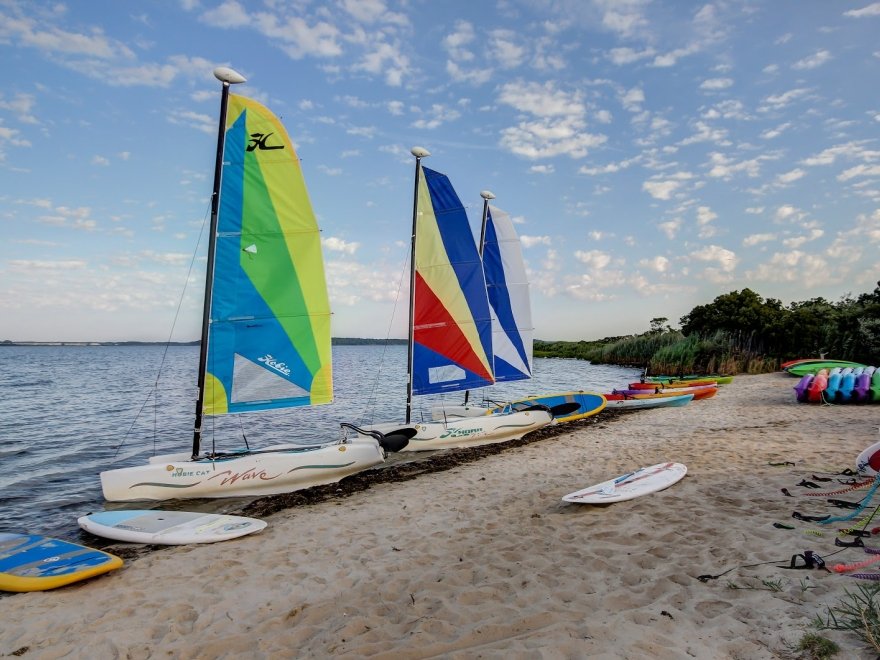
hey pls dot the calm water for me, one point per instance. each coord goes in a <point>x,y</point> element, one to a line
<point>68,413</point>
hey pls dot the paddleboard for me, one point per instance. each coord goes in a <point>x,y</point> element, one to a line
<point>868,462</point>
<point>589,403</point>
<point>29,562</point>
<point>631,485</point>
<point>168,527</point>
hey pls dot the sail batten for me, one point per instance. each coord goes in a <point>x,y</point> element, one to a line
<point>269,341</point>
<point>452,327</point>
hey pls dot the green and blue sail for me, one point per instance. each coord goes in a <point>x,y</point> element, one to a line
<point>269,340</point>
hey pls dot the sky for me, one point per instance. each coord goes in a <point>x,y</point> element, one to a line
<point>654,154</point>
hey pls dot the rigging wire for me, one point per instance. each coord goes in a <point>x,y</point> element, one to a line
<point>370,403</point>
<point>154,392</point>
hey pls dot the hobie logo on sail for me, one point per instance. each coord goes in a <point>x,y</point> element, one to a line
<point>271,362</point>
<point>258,141</point>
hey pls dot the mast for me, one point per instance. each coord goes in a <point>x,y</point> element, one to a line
<point>486,195</point>
<point>228,77</point>
<point>419,153</point>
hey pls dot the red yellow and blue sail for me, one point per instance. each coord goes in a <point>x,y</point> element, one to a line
<point>452,325</point>
<point>508,289</point>
<point>269,340</point>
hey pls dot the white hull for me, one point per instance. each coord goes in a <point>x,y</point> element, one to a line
<point>471,431</point>
<point>640,404</point>
<point>444,413</point>
<point>269,471</point>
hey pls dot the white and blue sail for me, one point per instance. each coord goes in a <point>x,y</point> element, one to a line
<point>508,290</point>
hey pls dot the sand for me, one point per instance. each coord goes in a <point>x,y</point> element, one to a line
<point>483,559</point>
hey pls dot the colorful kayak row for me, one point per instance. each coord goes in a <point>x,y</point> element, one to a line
<point>840,385</point>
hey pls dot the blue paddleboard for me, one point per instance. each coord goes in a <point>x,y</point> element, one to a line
<point>29,562</point>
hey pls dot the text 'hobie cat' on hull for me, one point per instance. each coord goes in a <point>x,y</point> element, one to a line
<point>274,470</point>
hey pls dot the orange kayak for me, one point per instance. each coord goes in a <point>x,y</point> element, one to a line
<point>672,384</point>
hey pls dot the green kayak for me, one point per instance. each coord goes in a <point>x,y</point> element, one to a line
<point>721,380</point>
<point>801,370</point>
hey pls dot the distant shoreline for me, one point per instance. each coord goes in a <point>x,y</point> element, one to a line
<point>337,341</point>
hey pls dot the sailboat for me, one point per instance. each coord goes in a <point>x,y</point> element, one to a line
<point>509,305</point>
<point>265,341</point>
<point>450,325</point>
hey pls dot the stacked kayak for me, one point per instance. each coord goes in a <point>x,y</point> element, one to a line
<point>840,385</point>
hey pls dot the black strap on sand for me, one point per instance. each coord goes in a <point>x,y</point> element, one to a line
<point>800,516</point>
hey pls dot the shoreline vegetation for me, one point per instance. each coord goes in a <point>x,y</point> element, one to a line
<point>741,332</point>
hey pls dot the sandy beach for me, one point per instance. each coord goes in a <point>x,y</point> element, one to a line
<point>479,557</point>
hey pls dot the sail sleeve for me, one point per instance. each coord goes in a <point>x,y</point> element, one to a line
<point>269,340</point>
<point>452,331</point>
<point>508,289</point>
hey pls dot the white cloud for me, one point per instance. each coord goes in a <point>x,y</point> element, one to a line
<point>724,259</point>
<point>559,127</point>
<point>659,264</point>
<point>229,14</point>
<point>595,259</point>
<point>670,228</point>
<point>791,177</point>
<point>339,245</point>
<point>532,241</point>
<point>869,10</point>
<point>815,60</point>
<point>542,169</point>
<point>716,83</point>
<point>756,239</point>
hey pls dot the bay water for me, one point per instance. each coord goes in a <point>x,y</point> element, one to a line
<point>70,412</point>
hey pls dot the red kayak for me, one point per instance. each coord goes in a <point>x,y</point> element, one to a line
<point>672,384</point>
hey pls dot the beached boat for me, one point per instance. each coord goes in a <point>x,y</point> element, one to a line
<point>265,341</point>
<point>641,402</point>
<point>672,385</point>
<point>699,391</point>
<point>812,367</point>
<point>816,390</point>
<point>720,380</point>
<point>450,324</point>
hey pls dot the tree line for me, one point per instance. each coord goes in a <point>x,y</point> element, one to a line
<point>741,332</point>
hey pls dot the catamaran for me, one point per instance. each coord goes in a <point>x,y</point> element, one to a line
<point>450,338</point>
<point>265,341</point>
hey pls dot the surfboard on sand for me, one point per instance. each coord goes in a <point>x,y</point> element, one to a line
<point>631,485</point>
<point>868,461</point>
<point>30,562</point>
<point>168,527</point>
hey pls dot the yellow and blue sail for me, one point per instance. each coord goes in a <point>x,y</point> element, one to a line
<point>452,326</point>
<point>508,289</point>
<point>269,339</point>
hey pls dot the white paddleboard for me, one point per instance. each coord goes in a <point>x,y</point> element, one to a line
<point>631,485</point>
<point>868,462</point>
<point>168,527</point>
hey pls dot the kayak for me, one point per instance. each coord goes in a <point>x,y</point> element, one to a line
<point>862,388</point>
<point>699,391</point>
<point>672,384</point>
<point>818,386</point>
<point>802,387</point>
<point>628,402</point>
<point>813,367</point>
<point>721,380</point>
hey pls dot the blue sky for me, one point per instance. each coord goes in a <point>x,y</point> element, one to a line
<point>653,153</point>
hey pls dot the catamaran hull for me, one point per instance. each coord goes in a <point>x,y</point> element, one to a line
<point>279,469</point>
<point>471,431</point>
